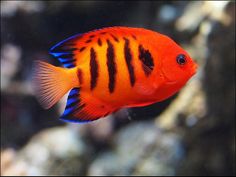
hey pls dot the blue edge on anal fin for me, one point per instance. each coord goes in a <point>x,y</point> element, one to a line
<point>73,105</point>
<point>63,51</point>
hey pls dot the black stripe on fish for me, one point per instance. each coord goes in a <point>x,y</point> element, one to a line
<point>115,38</point>
<point>91,36</point>
<point>146,59</point>
<point>99,42</point>
<point>93,69</point>
<point>111,65</point>
<point>134,37</point>
<point>88,41</point>
<point>80,76</point>
<point>82,48</point>
<point>128,59</point>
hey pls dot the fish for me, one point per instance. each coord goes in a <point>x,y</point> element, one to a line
<point>111,68</point>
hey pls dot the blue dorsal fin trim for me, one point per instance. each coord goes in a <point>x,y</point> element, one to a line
<point>65,60</point>
<point>64,42</point>
<point>64,51</point>
<point>58,54</point>
<point>72,106</point>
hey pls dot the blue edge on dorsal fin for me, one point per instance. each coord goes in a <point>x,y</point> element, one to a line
<point>72,106</point>
<point>63,51</point>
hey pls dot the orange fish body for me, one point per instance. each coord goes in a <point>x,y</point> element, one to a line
<point>111,68</point>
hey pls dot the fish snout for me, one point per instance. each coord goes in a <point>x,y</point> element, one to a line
<point>194,68</point>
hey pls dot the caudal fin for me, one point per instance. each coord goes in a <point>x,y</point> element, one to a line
<point>50,83</point>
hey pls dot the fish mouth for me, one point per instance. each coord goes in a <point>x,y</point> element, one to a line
<point>171,82</point>
<point>194,69</point>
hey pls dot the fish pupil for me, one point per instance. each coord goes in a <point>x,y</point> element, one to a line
<point>181,59</point>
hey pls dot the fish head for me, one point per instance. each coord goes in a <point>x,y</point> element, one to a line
<point>176,65</point>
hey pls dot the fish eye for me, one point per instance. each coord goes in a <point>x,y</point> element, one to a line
<point>181,59</point>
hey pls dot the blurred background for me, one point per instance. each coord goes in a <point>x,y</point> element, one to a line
<point>192,133</point>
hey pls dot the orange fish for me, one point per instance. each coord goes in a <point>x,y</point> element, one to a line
<point>112,68</point>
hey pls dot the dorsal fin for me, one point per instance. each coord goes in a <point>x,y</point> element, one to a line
<point>64,51</point>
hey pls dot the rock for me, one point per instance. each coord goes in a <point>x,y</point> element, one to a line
<point>190,101</point>
<point>137,146</point>
<point>106,164</point>
<point>46,150</point>
<point>210,142</point>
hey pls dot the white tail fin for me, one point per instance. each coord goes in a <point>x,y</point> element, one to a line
<point>50,83</point>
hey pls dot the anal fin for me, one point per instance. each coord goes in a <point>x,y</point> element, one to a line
<point>83,108</point>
